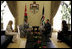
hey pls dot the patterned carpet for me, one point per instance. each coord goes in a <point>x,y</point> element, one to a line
<point>49,44</point>
<point>45,42</point>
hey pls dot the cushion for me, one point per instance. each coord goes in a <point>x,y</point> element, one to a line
<point>3,39</point>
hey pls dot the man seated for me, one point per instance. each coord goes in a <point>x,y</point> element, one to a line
<point>27,28</point>
<point>47,28</point>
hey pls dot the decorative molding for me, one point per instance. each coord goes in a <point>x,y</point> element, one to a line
<point>34,7</point>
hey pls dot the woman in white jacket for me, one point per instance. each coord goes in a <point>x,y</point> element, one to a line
<point>10,31</point>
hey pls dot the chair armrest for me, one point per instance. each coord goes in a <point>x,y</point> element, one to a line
<point>2,32</point>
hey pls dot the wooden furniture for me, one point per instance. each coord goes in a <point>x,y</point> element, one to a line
<point>35,27</point>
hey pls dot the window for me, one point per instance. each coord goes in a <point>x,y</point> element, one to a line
<point>63,13</point>
<point>66,11</point>
<point>6,15</point>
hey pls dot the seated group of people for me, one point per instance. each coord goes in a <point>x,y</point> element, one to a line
<point>47,27</point>
<point>16,36</point>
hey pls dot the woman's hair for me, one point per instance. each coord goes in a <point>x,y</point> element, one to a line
<point>10,22</point>
<point>64,22</point>
<point>64,26</point>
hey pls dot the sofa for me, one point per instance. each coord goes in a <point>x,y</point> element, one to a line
<point>22,31</point>
<point>66,37</point>
<point>5,40</point>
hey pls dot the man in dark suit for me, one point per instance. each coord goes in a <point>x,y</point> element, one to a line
<point>47,29</point>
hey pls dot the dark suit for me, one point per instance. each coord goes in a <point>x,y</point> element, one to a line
<point>47,29</point>
<point>63,32</point>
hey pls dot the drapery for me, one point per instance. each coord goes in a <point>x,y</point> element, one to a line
<point>54,8</point>
<point>13,8</point>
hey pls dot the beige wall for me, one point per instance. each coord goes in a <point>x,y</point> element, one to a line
<point>33,19</point>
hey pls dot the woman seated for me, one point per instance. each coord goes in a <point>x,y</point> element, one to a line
<point>64,30</point>
<point>10,31</point>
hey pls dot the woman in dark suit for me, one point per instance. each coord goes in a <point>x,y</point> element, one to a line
<point>64,30</point>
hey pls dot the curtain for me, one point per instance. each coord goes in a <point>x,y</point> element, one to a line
<point>13,8</point>
<point>54,8</point>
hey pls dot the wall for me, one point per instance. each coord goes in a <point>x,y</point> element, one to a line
<point>33,19</point>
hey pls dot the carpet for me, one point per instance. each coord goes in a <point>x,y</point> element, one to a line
<point>47,44</point>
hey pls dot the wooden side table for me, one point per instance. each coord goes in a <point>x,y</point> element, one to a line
<point>35,27</point>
